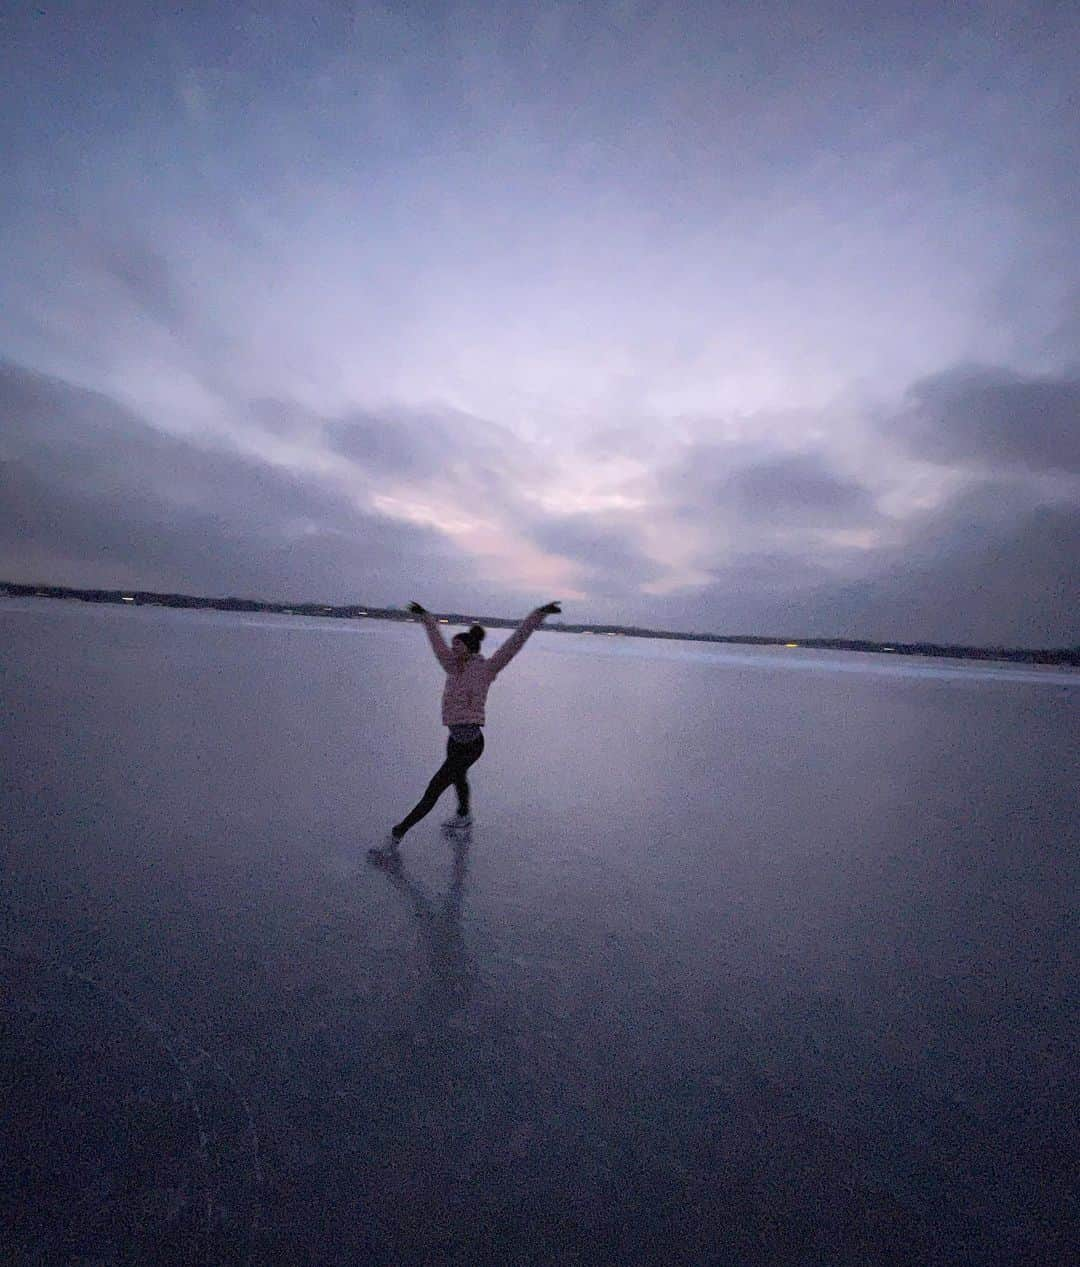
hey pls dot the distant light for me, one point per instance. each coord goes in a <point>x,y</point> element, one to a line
<point>443,620</point>
<point>888,648</point>
<point>126,598</point>
<point>791,644</point>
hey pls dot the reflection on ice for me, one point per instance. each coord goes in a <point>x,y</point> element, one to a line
<point>447,988</point>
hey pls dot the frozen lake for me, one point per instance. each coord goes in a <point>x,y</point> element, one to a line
<point>755,955</point>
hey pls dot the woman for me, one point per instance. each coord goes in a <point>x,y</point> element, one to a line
<point>468,678</point>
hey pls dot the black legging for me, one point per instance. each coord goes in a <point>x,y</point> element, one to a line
<point>459,756</point>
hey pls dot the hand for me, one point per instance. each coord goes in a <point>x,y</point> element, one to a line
<point>550,609</point>
<point>417,610</point>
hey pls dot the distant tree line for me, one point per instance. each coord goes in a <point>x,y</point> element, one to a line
<point>148,598</point>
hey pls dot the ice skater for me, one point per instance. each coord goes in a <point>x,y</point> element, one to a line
<point>468,678</point>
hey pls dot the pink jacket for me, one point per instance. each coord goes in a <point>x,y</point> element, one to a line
<point>467,685</point>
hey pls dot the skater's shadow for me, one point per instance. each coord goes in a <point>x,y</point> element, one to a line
<point>450,984</point>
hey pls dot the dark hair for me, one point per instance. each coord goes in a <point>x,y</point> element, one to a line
<point>473,638</point>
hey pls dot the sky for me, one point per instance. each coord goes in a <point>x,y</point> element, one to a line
<point>742,318</point>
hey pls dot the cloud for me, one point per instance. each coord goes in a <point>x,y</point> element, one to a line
<point>479,457</point>
<point>144,275</point>
<point>800,548</point>
<point>92,494</point>
<point>746,482</point>
<point>997,563</point>
<point>1010,583</point>
<point>995,418</point>
<point>1015,589</point>
<point>386,446</point>
<point>787,543</point>
<point>798,485</point>
<point>613,566</point>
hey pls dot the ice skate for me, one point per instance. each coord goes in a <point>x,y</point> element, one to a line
<point>387,854</point>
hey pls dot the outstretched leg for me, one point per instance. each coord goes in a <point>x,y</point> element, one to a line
<point>459,756</point>
<point>440,781</point>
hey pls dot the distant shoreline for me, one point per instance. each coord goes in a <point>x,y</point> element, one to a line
<point>1068,656</point>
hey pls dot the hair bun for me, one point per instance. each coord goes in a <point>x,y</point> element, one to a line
<point>478,632</point>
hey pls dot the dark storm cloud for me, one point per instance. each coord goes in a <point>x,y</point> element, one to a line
<point>996,563</point>
<point>85,442</point>
<point>481,463</point>
<point>739,484</point>
<point>991,567</point>
<point>997,418</point>
<point>144,276</point>
<point>387,446</point>
<point>1012,583</point>
<point>613,564</point>
<point>757,591</point>
<point>89,486</point>
<point>800,484</point>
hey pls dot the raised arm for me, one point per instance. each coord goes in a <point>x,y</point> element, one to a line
<point>434,633</point>
<point>499,659</point>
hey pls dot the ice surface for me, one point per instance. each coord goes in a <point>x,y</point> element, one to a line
<point>772,659</point>
<point>740,964</point>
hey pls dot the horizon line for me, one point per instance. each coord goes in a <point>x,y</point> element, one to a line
<point>1061,654</point>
